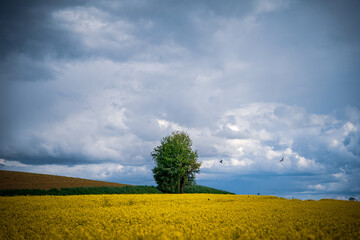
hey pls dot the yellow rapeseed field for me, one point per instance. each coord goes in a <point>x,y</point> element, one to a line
<point>187,216</point>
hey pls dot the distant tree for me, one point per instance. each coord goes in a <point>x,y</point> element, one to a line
<point>175,163</point>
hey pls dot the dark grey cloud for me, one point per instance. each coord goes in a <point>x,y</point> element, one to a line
<point>317,35</point>
<point>27,28</point>
<point>31,38</point>
<point>90,83</point>
<point>29,41</point>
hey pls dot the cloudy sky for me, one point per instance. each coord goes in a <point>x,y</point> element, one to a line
<point>89,88</point>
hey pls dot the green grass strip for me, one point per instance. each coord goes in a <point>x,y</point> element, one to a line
<point>104,190</point>
<point>203,189</point>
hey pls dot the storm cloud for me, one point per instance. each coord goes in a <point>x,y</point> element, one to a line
<point>89,89</point>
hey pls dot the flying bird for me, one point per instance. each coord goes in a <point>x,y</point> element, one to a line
<point>282,159</point>
<point>221,161</point>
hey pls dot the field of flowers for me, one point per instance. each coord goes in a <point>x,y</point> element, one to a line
<point>167,216</point>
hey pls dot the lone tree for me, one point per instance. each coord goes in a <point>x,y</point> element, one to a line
<point>176,163</point>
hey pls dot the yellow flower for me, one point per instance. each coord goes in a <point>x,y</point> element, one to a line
<point>167,216</point>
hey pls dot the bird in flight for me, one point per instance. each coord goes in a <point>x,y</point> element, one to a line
<point>282,159</point>
<point>221,161</point>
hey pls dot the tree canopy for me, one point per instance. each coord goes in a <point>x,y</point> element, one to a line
<point>175,163</point>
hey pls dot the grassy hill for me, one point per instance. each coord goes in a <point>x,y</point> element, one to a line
<point>22,183</point>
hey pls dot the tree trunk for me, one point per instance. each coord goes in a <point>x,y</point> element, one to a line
<point>182,184</point>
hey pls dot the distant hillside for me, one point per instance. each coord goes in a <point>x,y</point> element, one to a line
<point>23,180</point>
<point>22,183</point>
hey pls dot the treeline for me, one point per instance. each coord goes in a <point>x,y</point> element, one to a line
<point>203,189</point>
<point>105,190</point>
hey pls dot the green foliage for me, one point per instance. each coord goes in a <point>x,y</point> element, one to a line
<point>176,163</point>
<point>82,191</point>
<point>105,190</point>
<point>203,189</point>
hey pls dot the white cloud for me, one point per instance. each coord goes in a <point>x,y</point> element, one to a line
<point>163,123</point>
<point>86,133</point>
<point>264,6</point>
<point>341,175</point>
<point>349,128</point>
<point>305,163</point>
<point>263,133</point>
<point>341,198</point>
<point>106,171</point>
<point>271,154</point>
<point>82,19</point>
<point>317,187</point>
<point>97,29</point>
<point>170,126</point>
<point>241,163</point>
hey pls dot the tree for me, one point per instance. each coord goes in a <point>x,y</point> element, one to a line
<point>176,163</point>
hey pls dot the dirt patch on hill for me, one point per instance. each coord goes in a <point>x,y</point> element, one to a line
<point>23,180</point>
